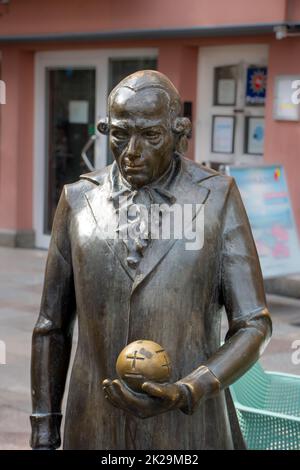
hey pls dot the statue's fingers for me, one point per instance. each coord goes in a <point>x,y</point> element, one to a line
<point>111,395</point>
<point>127,396</point>
<point>120,392</point>
<point>106,383</point>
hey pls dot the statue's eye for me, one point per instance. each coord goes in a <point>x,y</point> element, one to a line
<point>120,135</point>
<point>152,135</point>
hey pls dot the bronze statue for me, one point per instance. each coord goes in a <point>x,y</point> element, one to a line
<point>142,287</point>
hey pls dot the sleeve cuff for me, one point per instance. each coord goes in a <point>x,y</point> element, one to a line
<point>45,430</point>
<point>201,383</point>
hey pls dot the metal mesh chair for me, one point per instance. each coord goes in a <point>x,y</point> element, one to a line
<point>268,408</point>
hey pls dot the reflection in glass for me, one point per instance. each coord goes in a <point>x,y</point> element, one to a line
<point>70,121</point>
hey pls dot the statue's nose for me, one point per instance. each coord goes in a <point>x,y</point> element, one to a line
<point>133,150</point>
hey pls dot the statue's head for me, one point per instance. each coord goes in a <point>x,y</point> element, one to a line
<point>144,126</point>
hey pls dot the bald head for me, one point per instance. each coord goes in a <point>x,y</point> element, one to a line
<point>146,81</point>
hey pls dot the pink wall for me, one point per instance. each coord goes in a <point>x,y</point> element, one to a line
<point>292,10</point>
<point>25,158</point>
<point>9,140</point>
<point>16,147</point>
<point>282,137</point>
<point>35,16</point>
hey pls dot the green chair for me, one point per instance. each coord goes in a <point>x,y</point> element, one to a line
<point>268,409</point>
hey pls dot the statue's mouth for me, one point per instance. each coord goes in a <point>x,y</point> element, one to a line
<point>133,168</point>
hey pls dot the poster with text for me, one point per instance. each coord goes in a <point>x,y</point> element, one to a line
<point>265,195</point>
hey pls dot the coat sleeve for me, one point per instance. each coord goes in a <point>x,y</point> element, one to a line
<point>242,294</point>
<point>52,335</point>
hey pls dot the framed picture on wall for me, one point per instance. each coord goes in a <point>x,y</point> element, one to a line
<point>223,130</point>
<point>256,86</point>
<point>225,85</point>
<point>255,135</point>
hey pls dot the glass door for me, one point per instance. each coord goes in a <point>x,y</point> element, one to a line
<point>70,119</point>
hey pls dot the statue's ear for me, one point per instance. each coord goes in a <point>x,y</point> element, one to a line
<point>182,127</point>
<point>103,126</point>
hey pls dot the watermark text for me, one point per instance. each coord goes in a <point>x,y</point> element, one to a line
<point>2,352</point>
<point>296,353</point>
<point>158,222</point>
<point>2,92</point>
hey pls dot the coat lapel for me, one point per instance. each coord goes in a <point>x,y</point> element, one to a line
<point>186,191</point>
<point>106,220</point>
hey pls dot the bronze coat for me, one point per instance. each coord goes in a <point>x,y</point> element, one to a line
<point>175,299</point>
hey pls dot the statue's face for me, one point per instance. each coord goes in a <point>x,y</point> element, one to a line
<point>141,137</point>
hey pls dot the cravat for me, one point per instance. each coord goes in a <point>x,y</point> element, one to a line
<point>133,207</point>
<point>134,214</point>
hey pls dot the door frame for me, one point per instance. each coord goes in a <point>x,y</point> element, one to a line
<point>208,58</point>
<point>97,59</point>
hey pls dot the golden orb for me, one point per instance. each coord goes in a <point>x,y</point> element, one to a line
<point>141,361</point>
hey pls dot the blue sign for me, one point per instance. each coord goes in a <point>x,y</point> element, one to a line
<point>256,85</point>
<point>265,195</point>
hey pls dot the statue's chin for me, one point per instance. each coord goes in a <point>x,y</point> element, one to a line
<point>136,177</point>
<point>137,181</point>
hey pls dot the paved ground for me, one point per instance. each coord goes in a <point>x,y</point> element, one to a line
<point>21,276</point>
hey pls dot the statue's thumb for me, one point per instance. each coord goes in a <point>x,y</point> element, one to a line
<point>152,389</point>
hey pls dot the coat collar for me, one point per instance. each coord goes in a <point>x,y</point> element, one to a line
<point>186,188</point>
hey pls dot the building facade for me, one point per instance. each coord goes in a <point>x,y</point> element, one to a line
<point>232,61</point>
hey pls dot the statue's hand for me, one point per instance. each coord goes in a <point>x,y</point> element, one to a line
<point>156,399</point>
<point>45,431</point>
